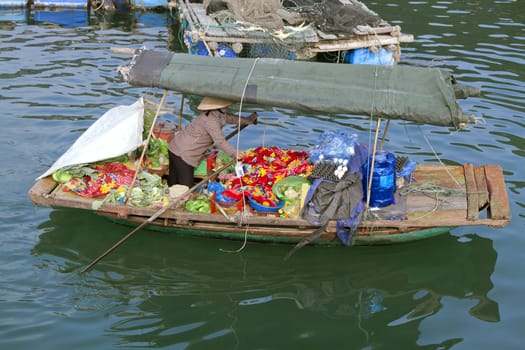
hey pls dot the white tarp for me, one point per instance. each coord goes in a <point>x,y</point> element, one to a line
<point>117,132</point>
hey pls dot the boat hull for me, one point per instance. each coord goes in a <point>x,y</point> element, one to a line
<point>361,238</point>
<point>476,195</point>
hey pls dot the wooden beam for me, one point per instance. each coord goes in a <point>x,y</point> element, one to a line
<point>472,193</point>
<point>499,207</point>
<point>481,183</point>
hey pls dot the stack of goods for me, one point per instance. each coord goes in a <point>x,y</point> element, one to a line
<point>263,167</point>
<point>156,159</point>
<point>110,181</point>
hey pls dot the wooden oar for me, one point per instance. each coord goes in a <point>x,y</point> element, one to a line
<point>164,209</point>
<point>237,130</point>
<point>155,216</point>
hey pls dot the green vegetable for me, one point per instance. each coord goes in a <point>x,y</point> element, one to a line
<point>149,116</point>
<point>62,176</point>
<point>157,152</point>
<point>200,204</point>
<point>148,189</point>
<point>65,174</point>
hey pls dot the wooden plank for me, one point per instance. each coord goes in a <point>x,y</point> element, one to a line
<point>472,192</point>
<point>368,30</point>
<point>43,187</point>
<point>427,200</point>
<point>443,218</point>
<point>499,207</point>
<point>289,232</point>
<point>450,176</point>
<point>481,183</point>
<point>350,44</point>
<point>207,23</point>
<point>41,192</point>
<point>436,187</point>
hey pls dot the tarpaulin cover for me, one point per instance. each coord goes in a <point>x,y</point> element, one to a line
<point>418,94</point>
<point>117,132</point>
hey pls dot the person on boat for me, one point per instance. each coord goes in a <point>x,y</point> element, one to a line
<point>189,145</point>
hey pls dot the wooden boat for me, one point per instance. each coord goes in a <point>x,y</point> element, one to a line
<point>484,201</point>
<point>476,194</point>
<point>215,34</point>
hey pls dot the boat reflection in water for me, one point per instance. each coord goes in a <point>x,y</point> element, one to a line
<point>165,290</point>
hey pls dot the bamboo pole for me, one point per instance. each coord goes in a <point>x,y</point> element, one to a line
<point>179,127</point>
<point>371,170</point>
<point>122,50</point>
<point>154,216</point>
<point>145,147</point>
<point>164,209</point>
<point>384,134</point>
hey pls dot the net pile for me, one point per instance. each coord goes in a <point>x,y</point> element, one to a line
<point>268,14</point>
<point>335,17</point>
<point>330,16</point>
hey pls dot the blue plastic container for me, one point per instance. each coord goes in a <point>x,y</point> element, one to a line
<point>383,179</point>
<point>198,48</point>
<point>262,208</point>
<point>366,56</point>
<point>68,18</point>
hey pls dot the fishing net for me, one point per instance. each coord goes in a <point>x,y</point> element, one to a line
<point>291,24</point>
<point>339,17</point>
<point>268,14</point>
<point>328,15</point>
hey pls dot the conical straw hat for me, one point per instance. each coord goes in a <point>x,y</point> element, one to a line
<point>209,103</point>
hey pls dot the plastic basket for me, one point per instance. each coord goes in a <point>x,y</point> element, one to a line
<point>282,185</point>
<point>263,208</point>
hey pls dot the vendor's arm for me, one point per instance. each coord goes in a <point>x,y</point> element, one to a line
<point>214,129</point>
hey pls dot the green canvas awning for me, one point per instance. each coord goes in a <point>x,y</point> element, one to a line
<point>417,94</point>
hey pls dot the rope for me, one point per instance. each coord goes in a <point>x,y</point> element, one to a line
<point>241,102</point>
<point>440,161</point>
<point>237,150</point>
<point>427,188</point>
<point>371,170</point>
<point>99,6</point>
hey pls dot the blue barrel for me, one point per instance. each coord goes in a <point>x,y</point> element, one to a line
<point>366,56</point>
<point>383,179</point>
<point>68,18</point>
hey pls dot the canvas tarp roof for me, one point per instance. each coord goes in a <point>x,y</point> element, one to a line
<point>418,94</point>
<point>115,133</point>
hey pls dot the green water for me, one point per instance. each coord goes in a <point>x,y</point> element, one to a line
<point>461,290</point>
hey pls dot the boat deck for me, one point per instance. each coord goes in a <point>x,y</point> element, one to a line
<point>306,42</point>
<point>440,197</point>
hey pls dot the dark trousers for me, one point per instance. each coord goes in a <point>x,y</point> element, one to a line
<point>180,172</point>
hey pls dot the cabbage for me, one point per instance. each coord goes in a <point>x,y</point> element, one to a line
<point>62,176</point>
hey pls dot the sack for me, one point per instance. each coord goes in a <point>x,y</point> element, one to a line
<point>327,200</point>
<point>341,201</point>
